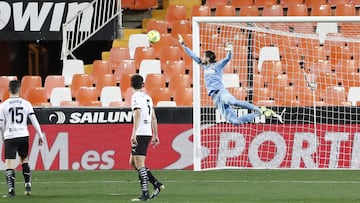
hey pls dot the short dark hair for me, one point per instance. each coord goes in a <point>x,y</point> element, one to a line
<point>137,81</point>
<point>211,55</point>
<point>14,86</point>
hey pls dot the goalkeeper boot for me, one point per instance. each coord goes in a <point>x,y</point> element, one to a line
<point>267,112</point>
<point>27,188</point>
<point>157,189</point>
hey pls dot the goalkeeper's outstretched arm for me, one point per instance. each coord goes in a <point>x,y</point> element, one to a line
<point>188,51</point>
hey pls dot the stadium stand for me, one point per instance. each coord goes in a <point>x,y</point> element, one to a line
<point>225,10</point>
<point>60,94</point>
<point>29,81</point>
<point>52,81</point>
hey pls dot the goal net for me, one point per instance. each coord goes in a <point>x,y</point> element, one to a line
<point>307,66</point>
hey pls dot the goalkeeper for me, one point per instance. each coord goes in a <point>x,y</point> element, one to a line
<point>213,71</point>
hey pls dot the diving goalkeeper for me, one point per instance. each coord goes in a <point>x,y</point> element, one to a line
<point>224,101</point>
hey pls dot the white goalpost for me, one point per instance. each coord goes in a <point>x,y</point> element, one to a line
<point>308,67</point>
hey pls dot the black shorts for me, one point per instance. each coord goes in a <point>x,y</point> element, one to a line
<point>19,145</point>
<point>142,146</point>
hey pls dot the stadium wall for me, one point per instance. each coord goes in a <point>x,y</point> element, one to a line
<point>99,139</point>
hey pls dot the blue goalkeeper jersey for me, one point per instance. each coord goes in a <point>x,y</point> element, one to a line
<point>212,73</point>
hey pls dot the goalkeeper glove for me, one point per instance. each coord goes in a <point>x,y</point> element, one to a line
<point>181,40</point>
<point>229,46</point>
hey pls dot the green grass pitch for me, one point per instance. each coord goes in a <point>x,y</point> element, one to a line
<point>184,186</point>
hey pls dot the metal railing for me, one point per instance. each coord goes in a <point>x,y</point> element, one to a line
<point>90,18</point>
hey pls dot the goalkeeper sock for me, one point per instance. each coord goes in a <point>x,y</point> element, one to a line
<point>143,180</point>
<point>10,179</point>
<point>26,172</point>
<point>152,179</point>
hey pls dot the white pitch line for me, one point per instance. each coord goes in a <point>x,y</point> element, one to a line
<point>204,181</point>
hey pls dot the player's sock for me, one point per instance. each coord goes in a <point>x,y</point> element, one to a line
<point>151,177</point>
<point>26,172</point>
<point>144,181</point>
<point>27,177</point>
<point>10,179</point>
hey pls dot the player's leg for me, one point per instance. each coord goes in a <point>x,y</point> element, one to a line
<point>10,156</point>
<point>24,160</point>
<point>158,186</point>
<point>231,116</point>
<point>231,100</point>
<point>139,156</point>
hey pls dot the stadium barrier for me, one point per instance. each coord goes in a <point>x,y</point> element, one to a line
<point>99,139</point>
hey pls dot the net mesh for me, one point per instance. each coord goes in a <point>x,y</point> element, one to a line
<point>310,70</point>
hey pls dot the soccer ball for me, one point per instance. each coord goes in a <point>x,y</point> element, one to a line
<point>153,36</point>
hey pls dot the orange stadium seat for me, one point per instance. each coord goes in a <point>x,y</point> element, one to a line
<point>184,97</point>
<point>93,103</point>
<point>356,2</point>
<point>324,80</point>
<point>315,3</point>
<point>29,81</point>
<point>125,83</point>
<point>37,96</point>
<point>127,3</point>
<point>170,53</point>
<point>225,10</point>
<point>154,81</point>
<point>297,10</point>
<point>351,80</point>
<point>144,5</point>
<point>69,104</point>
<point>335,96</point>
<point>165,40</point>
<point>180,81</point>
<point>241,3</point>
<point>262,94</point>
<point>159,94</point>
<point>345,10</point>
<point>117,54</point>
<point>4,88</point>
<point>78,81</point>
<point>100,67</point>
<point>124,67</point>
<point>173,68</point>
<point>215,3</point>
<point>103,81</point>
<point>238,92</point>
<point>175,13</point>
<point>181,27</point>
<point>160,25</point>
<point>252,10</point>
<point>86,95</point>
<point>142,53</point>
<point>286,3</point>
<point>273,10</point>
<point>262,3</point>
<point>338,2</point>
<point>200,10</point>
<point>321,10</point>
<point>52,81</point>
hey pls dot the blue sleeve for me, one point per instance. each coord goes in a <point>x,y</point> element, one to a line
<point>224,61</point>
<point>189,52</point>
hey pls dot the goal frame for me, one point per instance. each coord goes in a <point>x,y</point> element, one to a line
<point>196,49</point>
